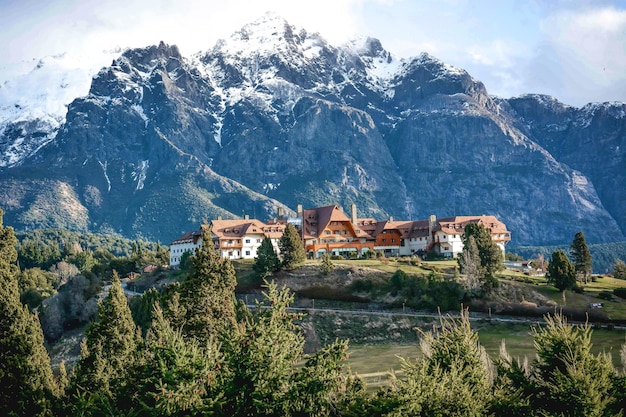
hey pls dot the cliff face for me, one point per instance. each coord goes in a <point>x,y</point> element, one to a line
<point>275,116</point>
<point>591,140</point>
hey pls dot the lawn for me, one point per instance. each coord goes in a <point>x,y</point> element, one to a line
<point>373,362</point>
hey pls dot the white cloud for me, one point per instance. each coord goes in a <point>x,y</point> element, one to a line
<point>571,49</point>
<point>581,58</point>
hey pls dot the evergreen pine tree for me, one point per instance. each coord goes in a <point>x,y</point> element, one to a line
<point>208,294</point>
<point>177,376</point>
<point>491,258</point>
<point>561,272</point>
<point>568,379</point>
<point>264,356</point>
<point>469,262</point>
<point>619,269</point>
<point>453,376</point>
<point>108,351</point>
<point>291,248</point>
<point>326,266</point>
<point>266,261</point>
<point>27,386</point>
<point>581,257</point>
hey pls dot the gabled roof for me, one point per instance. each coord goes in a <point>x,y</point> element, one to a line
<point>456,224</point>
<point>229,229</point>
<point>419,228</point>
<point>317,219</point>
<point>274,231</point>
<point>188,237</point>
<point>367,226</point>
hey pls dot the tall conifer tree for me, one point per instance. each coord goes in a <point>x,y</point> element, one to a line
<point>266,261</point>
<point>561,272</point>
<point>26,382</point>
<point>109,350</point>
<point>291,248</point>
<point>581,257</point>
<point>208,294</point>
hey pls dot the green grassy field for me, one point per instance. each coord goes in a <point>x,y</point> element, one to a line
<point>373,362</point>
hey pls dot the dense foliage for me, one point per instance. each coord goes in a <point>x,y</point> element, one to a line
<point>28,386</point>
<point>619,269</point>
<point>561,272</point>
<point>481,257</point>
<point>203,353</point>
<point>266,261</point>
<point>604,255</point>
<point>581,257</point>
<point>61,273</point>
<point>291,247</point>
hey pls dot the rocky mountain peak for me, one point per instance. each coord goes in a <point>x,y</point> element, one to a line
<point>149,57</point>
<point>277,116</point>
<point>366,46</point>
<point>425,77</point>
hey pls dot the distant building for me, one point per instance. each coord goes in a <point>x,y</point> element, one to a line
<point>329,230</point>
<point>234,239</point>
<point>188,242</point>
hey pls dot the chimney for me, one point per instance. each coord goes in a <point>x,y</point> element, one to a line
<point>246,217</point>
<point>281,213</point>
<point>353,213</point>
<point>432,222</point>
<point>299,210</point>
<point>219,217</point>
<point>391,219</point>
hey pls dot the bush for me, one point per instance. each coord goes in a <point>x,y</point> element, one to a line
<point>620,292</point>
<point>362,285</point>
<point>606,295</point>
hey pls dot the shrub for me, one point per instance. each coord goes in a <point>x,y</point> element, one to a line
<point>620,292</point>
<point>362,285</point>
<point>606,295</point>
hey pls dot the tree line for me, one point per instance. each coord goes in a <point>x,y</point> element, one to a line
<point>204,353</point>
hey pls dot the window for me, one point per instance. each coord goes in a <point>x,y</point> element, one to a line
<point>328,232</point>
<point>247,253</point>
<point>247,240</point>
<point>258,241</point>
<point>230,254</point>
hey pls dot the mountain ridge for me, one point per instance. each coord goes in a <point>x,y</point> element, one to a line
<point>275,116</point>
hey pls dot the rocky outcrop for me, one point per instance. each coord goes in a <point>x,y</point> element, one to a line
<point>275,116</point>
<point>591,140</point>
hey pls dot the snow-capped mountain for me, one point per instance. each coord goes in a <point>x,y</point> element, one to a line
<point>34,96</point>
<point>275,116</point>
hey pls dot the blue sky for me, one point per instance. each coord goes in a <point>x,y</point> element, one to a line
<point>574,50</point>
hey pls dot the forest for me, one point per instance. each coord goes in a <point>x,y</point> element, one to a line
<point>205,353</point>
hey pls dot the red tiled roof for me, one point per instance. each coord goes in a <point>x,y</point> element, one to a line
<point>226,229</point>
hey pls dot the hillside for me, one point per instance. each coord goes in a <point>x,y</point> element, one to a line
<point>274,116</point>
